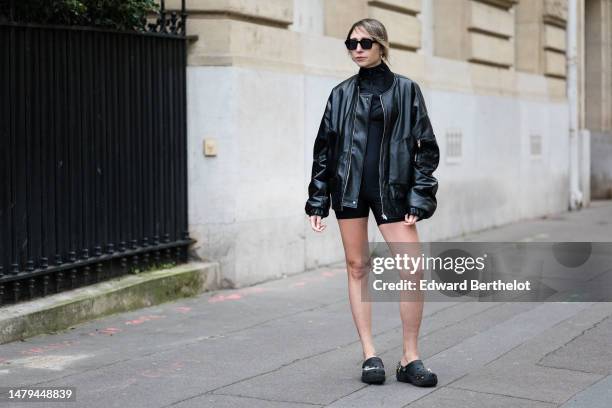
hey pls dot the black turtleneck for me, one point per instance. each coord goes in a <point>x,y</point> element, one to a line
<point>374,80</point>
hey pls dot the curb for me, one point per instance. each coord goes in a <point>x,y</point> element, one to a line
<point>130,292</point>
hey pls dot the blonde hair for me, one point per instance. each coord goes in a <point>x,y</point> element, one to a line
<point>378,32</point>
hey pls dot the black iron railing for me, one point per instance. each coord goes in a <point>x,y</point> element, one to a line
<point>93,158</point>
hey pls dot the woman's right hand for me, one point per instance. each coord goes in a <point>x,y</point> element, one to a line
<point>316,223</point>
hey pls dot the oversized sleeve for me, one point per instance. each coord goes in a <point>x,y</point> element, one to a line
<point>422,194</point>
<point>318,202</point>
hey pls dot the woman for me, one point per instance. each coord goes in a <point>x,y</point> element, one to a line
<point>375,149</point>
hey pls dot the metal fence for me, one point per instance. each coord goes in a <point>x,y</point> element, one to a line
<point>93,158</point>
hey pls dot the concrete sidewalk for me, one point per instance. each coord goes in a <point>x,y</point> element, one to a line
<point>292,343</point>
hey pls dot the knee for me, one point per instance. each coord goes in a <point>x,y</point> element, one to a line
<point>358,268</point>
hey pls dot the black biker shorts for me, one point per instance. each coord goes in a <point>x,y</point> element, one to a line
<point>369,197</point>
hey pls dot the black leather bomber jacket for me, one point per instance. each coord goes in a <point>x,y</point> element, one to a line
<point>409,151</point>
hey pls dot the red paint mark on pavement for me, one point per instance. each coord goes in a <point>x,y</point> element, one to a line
<point>109,330</point>
<point>49,347</point>
<point>143,319</point>
<point>43,349</point>
<point>238,294</point>
<point>183,309</point>
<point>329,274</point>
<point>223,298</point>
<point>298,284</point>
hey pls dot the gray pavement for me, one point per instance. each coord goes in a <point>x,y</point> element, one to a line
<point>292,343</point>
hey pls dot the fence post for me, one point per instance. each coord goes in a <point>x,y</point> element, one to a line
<point>183,17</point>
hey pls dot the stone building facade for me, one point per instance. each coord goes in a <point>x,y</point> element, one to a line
<point>519,93</point>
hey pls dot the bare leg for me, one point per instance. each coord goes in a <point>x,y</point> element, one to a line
<point>411,311</point>
<point>354,232</point>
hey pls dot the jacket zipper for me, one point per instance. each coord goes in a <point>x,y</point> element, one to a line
<point>416,156</point>
<point>348,173</point>
<point>382,208</point>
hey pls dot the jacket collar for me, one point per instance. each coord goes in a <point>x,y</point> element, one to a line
<point>353,84</point>
<point>376,71</point>
<point>392,78</point>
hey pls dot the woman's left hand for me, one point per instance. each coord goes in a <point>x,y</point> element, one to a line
<point>410,219</point>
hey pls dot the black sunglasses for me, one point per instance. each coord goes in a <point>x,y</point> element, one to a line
<point>366,43</point>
